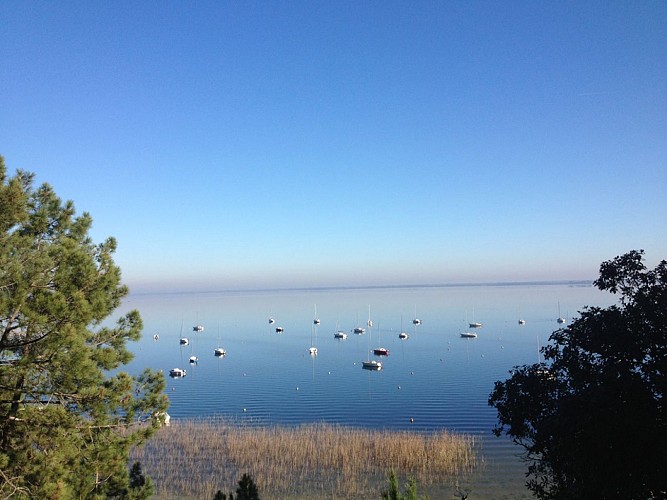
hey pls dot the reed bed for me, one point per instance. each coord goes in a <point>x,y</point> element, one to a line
<point>196,458</point>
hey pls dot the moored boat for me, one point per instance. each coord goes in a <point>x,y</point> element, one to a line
<point>372,365</point>
<point>177,372</point>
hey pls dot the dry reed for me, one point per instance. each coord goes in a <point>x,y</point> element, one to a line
<point>195,458</point>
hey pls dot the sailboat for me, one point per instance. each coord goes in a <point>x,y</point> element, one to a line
<point>316,321</point>
<point>415,321</point>
<point>380,351</point>
<point>370,364</point>
<point>359,330</point>
<point>183,340</point>
<point>193,357</point>
<point>313,349</point>
<point>219,351</point>
<point>177,372</point>
<point>560,319</point>
<point>403,335</point>
<point>474,324</point>
<point>339,334</point>
<point>198,328</point>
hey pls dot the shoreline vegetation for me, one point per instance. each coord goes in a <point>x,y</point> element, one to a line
<point>194,458</point>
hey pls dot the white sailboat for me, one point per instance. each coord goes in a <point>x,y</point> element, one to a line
<point>359,330</point>
<point>370,364</point>
<point>403,335</point>
<point>198,328</point>
<point>560,319</point>
<point>339,334</point>
<point>474,323</point>
<point>312,350</point>
<point>316,321</point>
<point>415,321</point>
<point>219,351</point>
<point>380,351</point>
<point>183,340</point>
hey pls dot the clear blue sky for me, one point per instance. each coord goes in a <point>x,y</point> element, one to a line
<point>296,143</point>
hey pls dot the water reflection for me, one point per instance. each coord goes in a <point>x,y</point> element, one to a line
<point>435,379</point>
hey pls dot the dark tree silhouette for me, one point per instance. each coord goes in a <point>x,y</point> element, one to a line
<point>591,418</point>
<point>247,489</point>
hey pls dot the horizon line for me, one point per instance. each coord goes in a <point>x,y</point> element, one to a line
<point>580,282</point>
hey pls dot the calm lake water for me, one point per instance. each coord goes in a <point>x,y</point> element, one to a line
<point>433,380</point>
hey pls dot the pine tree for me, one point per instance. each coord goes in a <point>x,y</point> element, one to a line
<point>68,418</point>
<point>247,489</point>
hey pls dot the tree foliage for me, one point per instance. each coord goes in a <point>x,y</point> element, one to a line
<point>393,492</point>
<point>246,490</point>
<point>66,423</point>
<point>592,418</point>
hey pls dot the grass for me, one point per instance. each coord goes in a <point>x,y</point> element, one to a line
<point>196,458</point>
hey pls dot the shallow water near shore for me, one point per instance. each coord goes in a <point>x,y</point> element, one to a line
<point>433,380</point>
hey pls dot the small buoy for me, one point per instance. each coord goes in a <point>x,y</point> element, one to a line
<point>412,420</point>
<point>297,388</point>
<point>244,410</point>
<point>412,373</point>
<point>399,387</point>
<point>329,373</point>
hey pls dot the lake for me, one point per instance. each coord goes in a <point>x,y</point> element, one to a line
<point>433,380</point>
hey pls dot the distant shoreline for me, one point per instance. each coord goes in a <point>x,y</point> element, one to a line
<point>367,287</point>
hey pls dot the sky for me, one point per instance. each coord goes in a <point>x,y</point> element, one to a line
<point>236,144</point>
